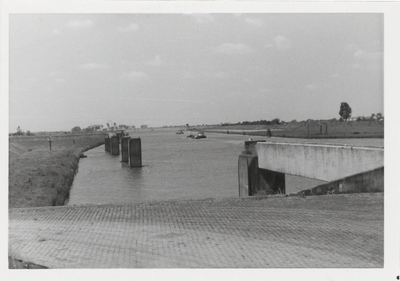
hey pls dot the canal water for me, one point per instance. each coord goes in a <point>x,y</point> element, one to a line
<point>175,167</point>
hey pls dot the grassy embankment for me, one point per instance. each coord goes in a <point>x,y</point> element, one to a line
<point>328,129</point>
<point>40,177</point>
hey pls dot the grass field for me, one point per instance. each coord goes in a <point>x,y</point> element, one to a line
<point>40,177</point>
<point>305,129</point>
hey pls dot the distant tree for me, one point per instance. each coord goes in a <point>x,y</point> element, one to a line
<point>19,132</point>
<point>76,129</point>
<point>28,133</point>
<point>372,116</point>
<point>269,134</point>
<point>275,121</point>
<point>345,111</point>
<point>378,115</point>
<point>108,125</point>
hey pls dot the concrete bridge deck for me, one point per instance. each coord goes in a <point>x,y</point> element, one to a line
<point>344,231</point>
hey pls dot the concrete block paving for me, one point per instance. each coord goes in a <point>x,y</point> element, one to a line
<point>332,231</point>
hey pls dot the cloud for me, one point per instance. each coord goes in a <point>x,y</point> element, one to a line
<point>56,31</point>
<point>54,73</point>
<point>282,43</point>
<point>310,87</point>
<point>188,75</point>
<point>202,18</point>
<point>368,60</point>
<point>129,28</point>
<point>367,56</point>
<point>254,22</point>
<point>351,47</point>
<point>269,45</point>
<point>156,61</point>
<point>80,23</point>
<point>134,75</point>
<point>221,75</point>
<point>91,66</point>
<point>233,49</point>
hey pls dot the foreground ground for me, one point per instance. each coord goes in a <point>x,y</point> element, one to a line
<point>317,231</point>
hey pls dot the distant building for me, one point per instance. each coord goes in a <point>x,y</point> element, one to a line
<point>94,128</point>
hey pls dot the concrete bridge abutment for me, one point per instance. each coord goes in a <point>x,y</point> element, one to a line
<point>263,165</point>
<point>256,181</point>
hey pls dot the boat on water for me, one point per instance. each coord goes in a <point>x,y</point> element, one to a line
<point>197,136</point>
<point>200,136</point>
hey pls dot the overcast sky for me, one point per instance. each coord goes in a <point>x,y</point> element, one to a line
<point>71,70</point>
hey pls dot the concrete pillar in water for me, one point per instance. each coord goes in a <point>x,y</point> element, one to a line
<point>135,152</point>
<point>107,142</point>
<point>125,149</point>
<point>114,145</point>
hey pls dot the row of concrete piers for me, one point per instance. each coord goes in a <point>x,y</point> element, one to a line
<point>129,148</point>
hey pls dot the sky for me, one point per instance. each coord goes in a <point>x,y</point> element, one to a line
<point>68,70</point>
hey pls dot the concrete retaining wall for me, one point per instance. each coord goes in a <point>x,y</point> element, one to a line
<point>324,162</point>
<point>369,181</point>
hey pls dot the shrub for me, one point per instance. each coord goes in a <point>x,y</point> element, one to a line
<point>269,134</point>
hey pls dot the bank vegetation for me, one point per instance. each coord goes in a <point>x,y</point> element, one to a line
<point>39,176</point>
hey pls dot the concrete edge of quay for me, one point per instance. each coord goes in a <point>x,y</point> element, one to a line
<point>302,194</point>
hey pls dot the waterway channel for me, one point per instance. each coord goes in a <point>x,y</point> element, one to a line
<point>175,167</point>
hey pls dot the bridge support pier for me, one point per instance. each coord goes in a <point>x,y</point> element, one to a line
<point>125,149</point>
<point>114,145</point>
<point>135,152</point>
<point>107,144</point>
